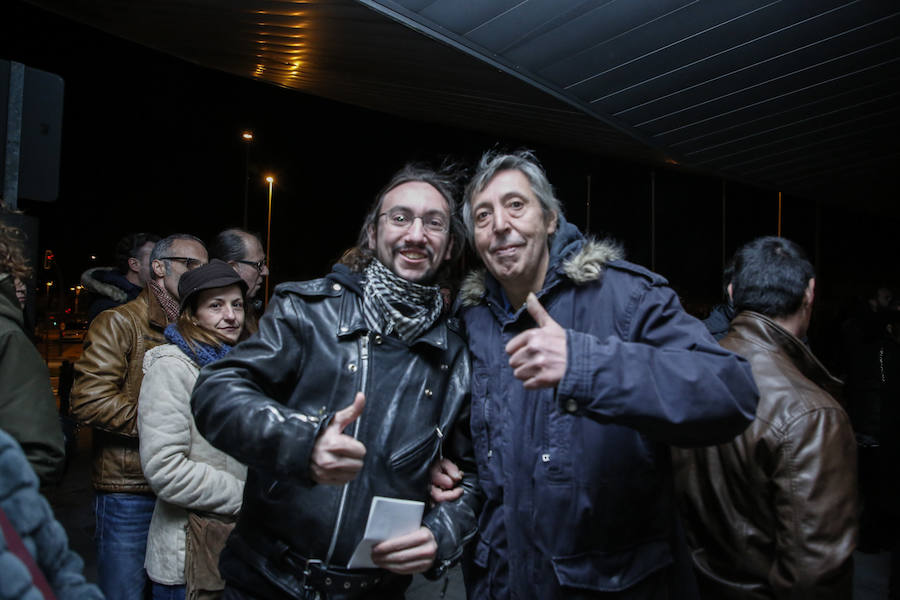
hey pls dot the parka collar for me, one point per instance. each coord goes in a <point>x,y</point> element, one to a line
<point>764,332</point>
<point>572,256</point>
<point>351,320</point>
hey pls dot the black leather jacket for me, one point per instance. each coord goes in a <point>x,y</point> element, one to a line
<point>265,402</point>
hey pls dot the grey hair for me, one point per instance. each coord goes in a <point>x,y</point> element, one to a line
<point>163,246</point>
<point>492,163</point>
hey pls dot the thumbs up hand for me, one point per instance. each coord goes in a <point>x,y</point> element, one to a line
<point>538,356</point>
<point>337,457</point>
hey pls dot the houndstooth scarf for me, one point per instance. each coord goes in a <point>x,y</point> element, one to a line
<point>391,303</point>
<point>166,300</point>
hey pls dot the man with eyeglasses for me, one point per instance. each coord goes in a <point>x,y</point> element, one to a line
<point>243,251</point>
<point>354,384</point>
<point>108,379</point>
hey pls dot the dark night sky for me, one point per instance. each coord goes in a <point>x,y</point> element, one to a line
<point>152,143</point>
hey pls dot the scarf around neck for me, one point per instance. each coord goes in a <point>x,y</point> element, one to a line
<point>199,352</point>
<point>166,300</point>
<point>393,304</point>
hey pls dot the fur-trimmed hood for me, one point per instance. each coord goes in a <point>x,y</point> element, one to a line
<point>580,259</point>
<point>108,282</point>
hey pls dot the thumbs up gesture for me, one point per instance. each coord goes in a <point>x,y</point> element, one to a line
<point>337,457</point>
<point>538,356</point>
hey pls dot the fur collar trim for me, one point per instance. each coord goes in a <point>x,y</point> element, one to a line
<point>584,266</point>
<point>90,281</point>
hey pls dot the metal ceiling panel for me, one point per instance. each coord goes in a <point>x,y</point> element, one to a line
<point>797,96</point>
<point>794,95</point>
<point>342,50</point>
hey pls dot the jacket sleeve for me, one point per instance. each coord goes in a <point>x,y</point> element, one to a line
<point>32,518</point>
<point>164,428</point>
<point>815,508</point>
<point>236,400</point>
<point>28,408</point>
<point>98,395</point>
<point>454,524</point>
<point>664,376</point>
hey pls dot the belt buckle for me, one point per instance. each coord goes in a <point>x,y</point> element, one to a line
<point>309,591</point>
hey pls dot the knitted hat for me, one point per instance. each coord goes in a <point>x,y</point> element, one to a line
<point>214,274</point>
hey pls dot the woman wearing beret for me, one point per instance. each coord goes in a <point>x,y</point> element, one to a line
<point>198,487</point>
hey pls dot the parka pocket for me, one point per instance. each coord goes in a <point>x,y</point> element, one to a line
<point>488,576</point>
<point>604,571</point>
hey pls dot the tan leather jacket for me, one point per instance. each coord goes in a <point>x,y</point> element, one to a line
<point>107,383</point>
<point>773,514</point>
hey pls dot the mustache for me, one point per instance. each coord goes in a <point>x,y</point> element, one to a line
<point>415,248</point>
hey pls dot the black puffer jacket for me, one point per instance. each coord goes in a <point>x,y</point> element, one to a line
<point>266,401</point>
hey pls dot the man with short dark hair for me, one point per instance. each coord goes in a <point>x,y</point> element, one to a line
<point>108,379</point>
<point>352,386</point>
<point>773,512</point>
<point>243,251</point>
<point>115,286</point>
<point>585,370</point>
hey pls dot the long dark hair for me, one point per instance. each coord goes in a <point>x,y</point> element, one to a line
<point>445,180</point>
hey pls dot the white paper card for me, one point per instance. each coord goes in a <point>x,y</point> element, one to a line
<point>388,518</point>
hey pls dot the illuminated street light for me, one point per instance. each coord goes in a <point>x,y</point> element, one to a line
<point>77,289</point>
<point>270,180</point>
<point>247,136</point>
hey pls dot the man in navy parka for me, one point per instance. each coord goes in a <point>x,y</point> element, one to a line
<point>585,370</point>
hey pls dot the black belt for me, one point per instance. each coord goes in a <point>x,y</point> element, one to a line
<point>321,582</point>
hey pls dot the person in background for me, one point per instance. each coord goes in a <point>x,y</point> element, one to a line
<point>198,488</point>
<point>889,463</point>
<point>243,251</point>
<point>108,379</point>
<point>27,405</point>
<point>773,512</point>
<point>35,559</point>
<point>720,316</point>
<point>115,286</point>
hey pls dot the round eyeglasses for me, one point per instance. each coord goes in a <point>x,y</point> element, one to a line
<point>402,218</point>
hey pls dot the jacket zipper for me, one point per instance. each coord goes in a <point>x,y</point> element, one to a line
<point>487,426</point>
<point>363,368</point>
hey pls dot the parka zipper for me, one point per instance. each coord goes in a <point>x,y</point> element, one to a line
<point>364,370</point>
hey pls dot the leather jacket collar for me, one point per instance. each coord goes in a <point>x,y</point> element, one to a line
<point>764,332</point>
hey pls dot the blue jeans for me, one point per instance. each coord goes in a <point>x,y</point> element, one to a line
<point>162,591</point>
<point>122,524</point>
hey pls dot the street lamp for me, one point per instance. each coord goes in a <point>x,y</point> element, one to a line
<point>77,289</point>
<point>270,180</point>
<point>247,136</point>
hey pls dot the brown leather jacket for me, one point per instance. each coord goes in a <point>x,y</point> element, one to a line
<point>773,514</point>
<point>107,383</point>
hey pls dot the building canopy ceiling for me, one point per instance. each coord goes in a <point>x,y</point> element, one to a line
<point>797,96</point>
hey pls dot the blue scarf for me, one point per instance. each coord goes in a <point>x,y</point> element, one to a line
<point>200,353</point>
